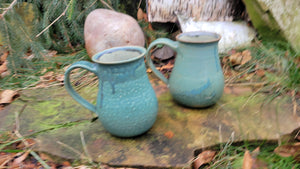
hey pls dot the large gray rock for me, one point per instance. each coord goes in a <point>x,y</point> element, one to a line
<point>105,28</point>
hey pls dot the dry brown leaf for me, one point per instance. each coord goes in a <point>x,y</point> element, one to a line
<point>7,96</point>
<point>149,70</point>
<point>3,67</point>
<point>41,85</point>
<point>22,145</point>
<point>169,134</point>
<point>246,54</point>
<point>49,76</point>
<point>204,158</point>
<point>168,66</point>
<point>260,72</point>
<point>3,57</point>
<point>21,158</point>
<point>288,150</point>
<point>248,160</point>
<point>235,59</point>
<point>60,77</point>
<point>5,158</point>
<point>240,58</point>
<point>140,14</point>
<point>4,74</point>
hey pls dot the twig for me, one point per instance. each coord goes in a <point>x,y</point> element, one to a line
<point>247,84</point>
<point>295,106</point>
<point>85,149</point>
<point>8,8</point>
<point>72,149</point>
<point>139,4</point>
<point>106,4</point>
<point>62,14</point>
<point>36,156</point>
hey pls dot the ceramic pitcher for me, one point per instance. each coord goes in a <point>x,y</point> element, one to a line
<point>126,102</point>
<point>197,79</point>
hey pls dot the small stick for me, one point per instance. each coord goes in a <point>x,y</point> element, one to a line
<point>295,106</point>
<point>35,155</point>
<point>62,14</point>
<point>8,8</point>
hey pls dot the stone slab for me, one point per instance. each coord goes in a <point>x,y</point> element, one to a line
<point>55,120</point>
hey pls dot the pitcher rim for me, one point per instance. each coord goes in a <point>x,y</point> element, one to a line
<point>142,50</point>
<point>218,37</point>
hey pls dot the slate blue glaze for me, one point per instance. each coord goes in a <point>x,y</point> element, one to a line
<point>197,79</point>
<point>126,102</point>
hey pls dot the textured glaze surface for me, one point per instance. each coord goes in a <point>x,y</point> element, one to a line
<point>126,102</point>
<point>197,79</point>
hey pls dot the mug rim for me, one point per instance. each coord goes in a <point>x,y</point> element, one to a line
<point>216,36</point>
<point>142,50</point>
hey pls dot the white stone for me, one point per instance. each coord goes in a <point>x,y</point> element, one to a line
<point>105,29</point>
<point>233,34</point>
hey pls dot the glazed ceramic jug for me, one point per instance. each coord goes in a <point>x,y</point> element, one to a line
<point>197,79</point>
<point>126,102</point>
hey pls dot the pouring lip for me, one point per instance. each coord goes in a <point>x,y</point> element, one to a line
<point>141,50</point>
<point>215,37</point>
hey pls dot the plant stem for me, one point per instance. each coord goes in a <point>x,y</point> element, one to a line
<point>8,8</point>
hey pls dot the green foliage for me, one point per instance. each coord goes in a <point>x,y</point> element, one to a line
<point>32,27</point>
<point>231,155</point>
<point>282,63</point>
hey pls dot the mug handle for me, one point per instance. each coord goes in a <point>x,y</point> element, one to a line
<point>165,41</point>
<point>84,65</point>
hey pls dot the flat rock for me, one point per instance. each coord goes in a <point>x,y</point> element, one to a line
<point>55,120</point>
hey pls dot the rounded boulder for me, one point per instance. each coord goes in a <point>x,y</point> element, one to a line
<point>104,29</point>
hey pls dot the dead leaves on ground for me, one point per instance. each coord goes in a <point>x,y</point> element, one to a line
<point>240,58</point>
<point>292,150</point>
<point>250,160</point>
<point>203,158</point>
<point>3,65</point>
<point>7,96</point>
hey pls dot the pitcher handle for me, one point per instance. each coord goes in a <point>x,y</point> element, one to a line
<point>84,65</point>
<point>165,41</point>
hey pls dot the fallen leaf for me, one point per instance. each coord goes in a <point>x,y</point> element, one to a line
<point>227,90</point>
<point>49,76</point>
<point>41,85</point>
<point>168,66</point>
<point>7,96</point>
<point>169,134</point>
<point>248,160</point>
<point>66,163</point>
<point>140,14</point>
<point>21,158</point>
<point>288,150</point>
<point>149,70</point>
<point>3,57</point>
<point>204,158</point>
<point>246,56</point>
<point>240,58</point>
<point>22,145</point>
<point>60,77</point>
<point>5,158</point>
<point>260,72</point>
<point>4,74</point>
<point>3,67</point>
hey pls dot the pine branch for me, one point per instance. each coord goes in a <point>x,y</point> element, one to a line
<point>8,8</point>
<point>62,14</point>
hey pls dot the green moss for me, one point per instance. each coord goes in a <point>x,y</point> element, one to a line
<point>263,21</point>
